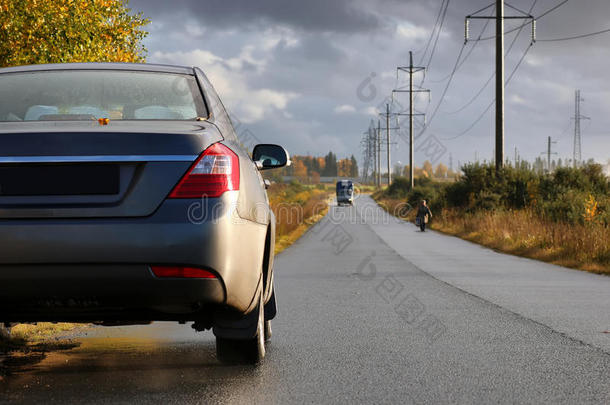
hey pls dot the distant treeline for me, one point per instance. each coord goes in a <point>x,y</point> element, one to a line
<point>309,169</point>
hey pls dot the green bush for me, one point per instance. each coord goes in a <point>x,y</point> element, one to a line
<point>398,189</point>
<point>560,196</point>
<point>457,194</point>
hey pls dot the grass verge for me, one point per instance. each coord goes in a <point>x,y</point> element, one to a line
<point>297,207</point>
<point>522,233</point>
<point>24,337</point>
<point>28,344</point>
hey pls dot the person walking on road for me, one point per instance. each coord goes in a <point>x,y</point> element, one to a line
<point>423,215</point>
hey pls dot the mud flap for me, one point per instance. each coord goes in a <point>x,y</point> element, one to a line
<point>237,326</point>
<point>271,307</point>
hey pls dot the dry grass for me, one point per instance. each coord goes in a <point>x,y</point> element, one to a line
<point>295,212</point>
<point>38,337</point>
<point>397,207</point>
<point>41,330</point>
<point>522,233</point>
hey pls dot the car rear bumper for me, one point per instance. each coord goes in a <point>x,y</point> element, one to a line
<point>98,292</point>
<point>59,268</point>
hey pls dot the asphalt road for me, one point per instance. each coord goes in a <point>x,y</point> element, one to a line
<point>370,311</point>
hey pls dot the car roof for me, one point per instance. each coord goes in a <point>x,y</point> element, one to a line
<point>144,67</point>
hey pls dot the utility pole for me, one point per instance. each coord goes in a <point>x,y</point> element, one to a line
<point>577,154</point>
<point>549,153</point>
<point>367,147</point>
<point>450,162</point>
<point>369,144</point>
<point>373,141</point>
<point>388,142</point>
<point>378,153</point>
<point>499,84</point>
<point>411,70</point>
<point>387,127</point>
<point>500,17</point>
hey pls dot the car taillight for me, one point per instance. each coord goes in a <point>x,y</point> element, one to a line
<point>181,272</point>
<point>213,173</point>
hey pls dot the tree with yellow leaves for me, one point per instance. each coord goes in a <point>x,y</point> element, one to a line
<point>441,171</point>
<point>300,170</point>
<point>62,31</point>
<point>428,169</point>
<point>591,209</point>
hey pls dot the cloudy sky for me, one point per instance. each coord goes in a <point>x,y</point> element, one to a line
<point>311,75</point>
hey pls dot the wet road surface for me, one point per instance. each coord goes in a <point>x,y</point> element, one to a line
<point>364,316</point>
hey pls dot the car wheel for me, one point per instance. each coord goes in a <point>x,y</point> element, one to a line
<point>246,351</point>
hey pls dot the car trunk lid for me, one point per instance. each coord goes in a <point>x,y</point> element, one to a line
<point>80,169</point>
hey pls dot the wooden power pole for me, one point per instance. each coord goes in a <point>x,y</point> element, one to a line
<point>500,17</point>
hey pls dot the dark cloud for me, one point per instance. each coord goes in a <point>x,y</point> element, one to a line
<point>331,46</point>
<point>311,15</point>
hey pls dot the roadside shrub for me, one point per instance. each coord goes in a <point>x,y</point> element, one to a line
<point>457,194</point>
<point>399,188</point>
<point>559,196</point>
<point>562,217</point>
<point>488,201</point>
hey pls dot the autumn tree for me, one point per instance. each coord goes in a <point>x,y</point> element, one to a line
<point>428,169</point>
<point>441,171</point>
<point>419,172</point>
<point>321,163</point>
<point>343,167</point>
<point>300,170</point>
<point>62,31</point>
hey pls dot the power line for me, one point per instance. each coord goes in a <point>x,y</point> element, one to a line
<point>411,70</point>
<point>472,100</point>
<point>474,44</point>
<point>492,101</point>
<point>575,37</point>
<point>440,101</point>
<point>440,12</point>
<point>527,23</point>
<point>438,34</point>
<point>510,47</point>
<point>455,67</point>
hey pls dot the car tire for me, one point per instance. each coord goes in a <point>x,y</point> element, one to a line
<point>244,351</point>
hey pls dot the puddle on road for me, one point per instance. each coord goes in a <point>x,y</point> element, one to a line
<point>110,352</point>
<point>112,364</point>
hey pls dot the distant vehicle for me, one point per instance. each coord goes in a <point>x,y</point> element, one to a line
<point>125,197</point>
<point>345,192</point>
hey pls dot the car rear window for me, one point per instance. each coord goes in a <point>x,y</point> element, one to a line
<point>92,94</point>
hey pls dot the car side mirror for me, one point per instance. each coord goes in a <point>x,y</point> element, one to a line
<point>268,156</point>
